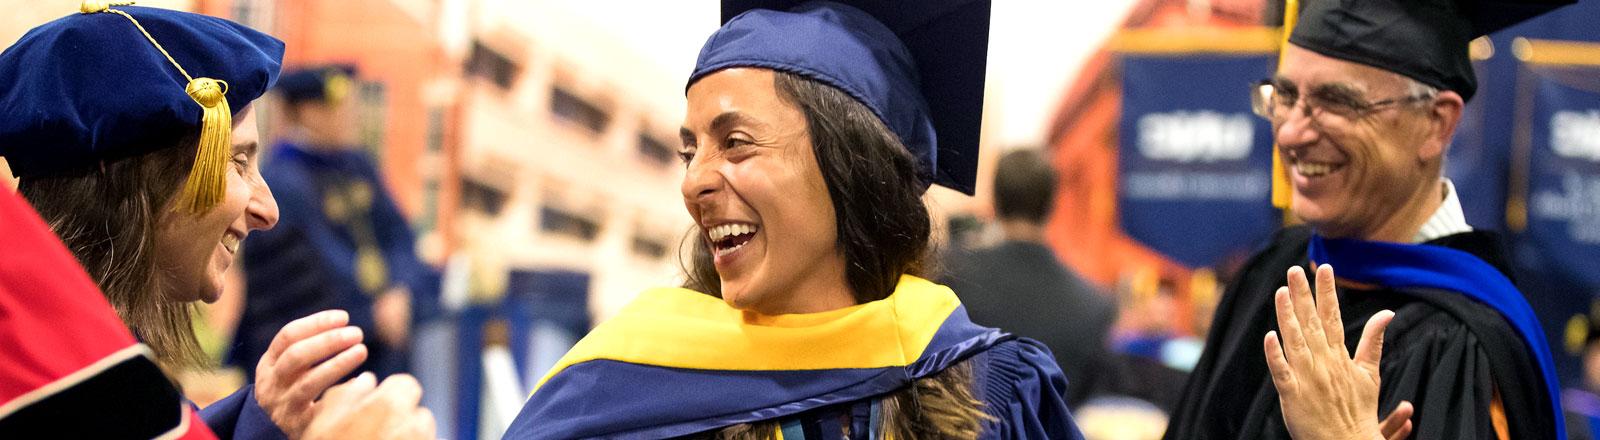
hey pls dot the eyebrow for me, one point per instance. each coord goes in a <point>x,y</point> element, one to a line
<point>686,136</point>
<point>1338,90</point>
<point>723,122</point>
<point>729,119</point>
<point>1281,81</point>
<point>248,148</point>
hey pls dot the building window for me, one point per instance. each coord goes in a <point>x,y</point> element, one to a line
<point>558,222</point>
<point>571,108</point>
<point>656,151</point>
<point>648,248</point>
<point>488,64</point>
<point>480,197</point>
<point>257,14</point>
<point>372,112</point>
<point>434,143</point>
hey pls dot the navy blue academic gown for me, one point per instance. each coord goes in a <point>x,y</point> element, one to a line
<point>340,241</point>
<point>677,363</point>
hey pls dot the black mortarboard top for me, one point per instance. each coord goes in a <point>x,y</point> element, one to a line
<point>919,65</point>
<point>1425,40</point>
<point>326,83</point>
<point>119,81</point>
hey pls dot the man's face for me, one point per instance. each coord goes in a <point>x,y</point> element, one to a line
<point>1353,165</point>
<point>330,123</point>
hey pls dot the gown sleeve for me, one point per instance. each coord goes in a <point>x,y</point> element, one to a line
<point>240,417</point>
<point>1024,392</point>
<point>1442,369</point>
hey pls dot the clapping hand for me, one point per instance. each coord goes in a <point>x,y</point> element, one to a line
<point>364,409</point>
<point>307,356</point>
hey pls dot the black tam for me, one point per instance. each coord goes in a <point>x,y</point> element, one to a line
<point>1425,40</point>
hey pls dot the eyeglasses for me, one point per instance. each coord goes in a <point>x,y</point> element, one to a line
<point>1274,103</point>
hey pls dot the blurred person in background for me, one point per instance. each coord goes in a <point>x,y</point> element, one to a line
<point>1364,104</point>
<point>811,134</point>
<point>342,243</point>
<point>141,157</point>
<point>1019,285</point>
<point>1138,365</point>
<point>1147,303</point>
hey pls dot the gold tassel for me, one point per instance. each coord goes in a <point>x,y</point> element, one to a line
<point>1280,178</point>
<point>1280,183</point>
<point>208,177</point>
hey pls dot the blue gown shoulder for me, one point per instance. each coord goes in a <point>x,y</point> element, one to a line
<point>1023,391</point>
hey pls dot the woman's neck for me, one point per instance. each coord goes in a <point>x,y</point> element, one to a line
<point>824,289</point>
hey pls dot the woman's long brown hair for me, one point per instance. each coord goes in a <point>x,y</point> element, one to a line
<point>108,215</point>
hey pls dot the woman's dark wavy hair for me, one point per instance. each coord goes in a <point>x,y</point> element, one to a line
<point>883,230</point>
<point>108,215</point>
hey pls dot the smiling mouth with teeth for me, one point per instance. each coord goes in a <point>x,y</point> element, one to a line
<point>1315,169</point>
<point>231,242</point>
<point>730,237</point>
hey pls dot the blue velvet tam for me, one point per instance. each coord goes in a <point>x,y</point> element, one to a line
<point>918,65</point>
<point>91,87</point>
<point>324,83</point>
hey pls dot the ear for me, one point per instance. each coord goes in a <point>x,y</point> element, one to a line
<point>1444,115</point>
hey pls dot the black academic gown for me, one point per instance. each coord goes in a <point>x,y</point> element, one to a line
<point>1447,354</point>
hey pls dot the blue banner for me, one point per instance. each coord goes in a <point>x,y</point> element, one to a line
<point>1558,254</point>
<point>1563,198</point>
<point>1194,164</point>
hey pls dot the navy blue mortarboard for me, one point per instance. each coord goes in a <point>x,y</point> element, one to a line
<point>115,82</point>
<point>327,83</point>
<point>918,65</point>
<point>1425,40</point>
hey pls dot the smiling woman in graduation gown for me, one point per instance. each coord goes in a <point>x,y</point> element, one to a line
<point>812,132</point>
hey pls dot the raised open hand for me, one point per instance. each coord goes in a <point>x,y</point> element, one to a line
<point>1325,393</point>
